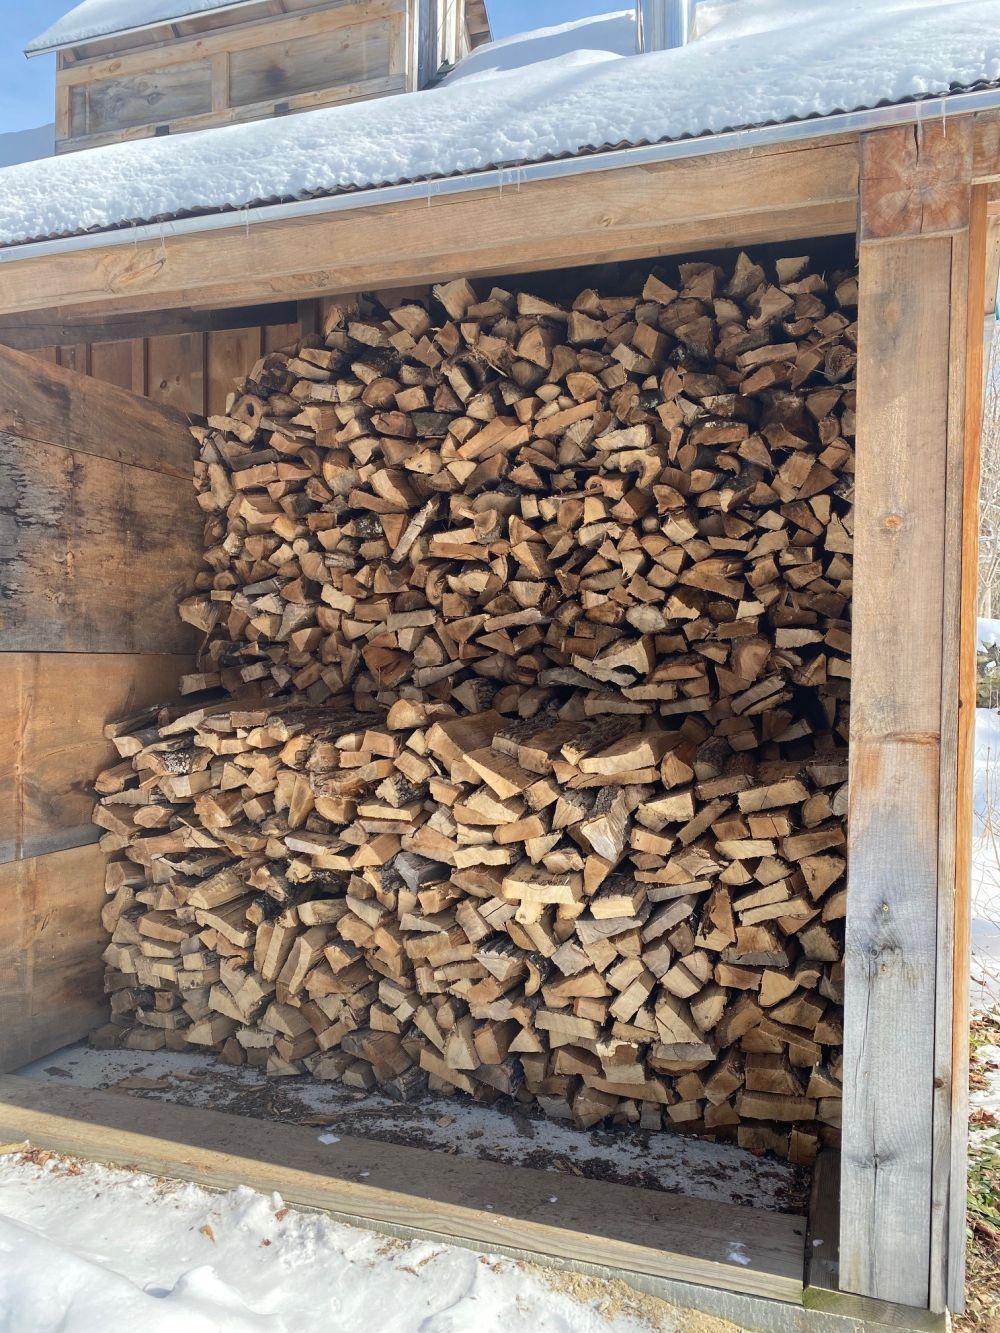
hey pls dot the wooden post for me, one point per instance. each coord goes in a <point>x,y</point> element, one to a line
<point>923,259</point>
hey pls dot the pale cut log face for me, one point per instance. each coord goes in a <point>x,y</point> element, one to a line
<point>516,758</point>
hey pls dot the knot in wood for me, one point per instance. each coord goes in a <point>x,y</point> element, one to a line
<point>893,522</point>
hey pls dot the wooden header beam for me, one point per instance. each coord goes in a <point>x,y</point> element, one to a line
<point>50,328</point>
<point>731,199</point>
<point>780,193</point>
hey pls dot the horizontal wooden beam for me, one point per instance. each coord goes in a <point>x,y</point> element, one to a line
<point>54,328</point>
<point>482,1204</point>
<point>733,199</point>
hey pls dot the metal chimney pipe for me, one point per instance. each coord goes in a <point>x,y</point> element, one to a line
<point>663,25</point>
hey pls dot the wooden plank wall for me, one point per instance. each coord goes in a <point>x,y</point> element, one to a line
<point>99,532</point>
<point>99,535</point>
<point>923,261</point>
<point>192,372</point>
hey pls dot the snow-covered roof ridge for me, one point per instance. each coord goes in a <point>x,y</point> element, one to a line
<point>103,18</point>
<point>611,34</point>
<point>502,109</point>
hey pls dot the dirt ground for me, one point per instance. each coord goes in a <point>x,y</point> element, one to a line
<point>983,1286</point>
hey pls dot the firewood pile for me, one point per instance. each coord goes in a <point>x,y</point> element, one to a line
<point>515,761</point>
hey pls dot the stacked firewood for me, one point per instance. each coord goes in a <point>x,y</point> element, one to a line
<point>518,758</point>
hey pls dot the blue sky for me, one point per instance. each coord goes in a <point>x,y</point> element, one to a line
<point>26,96</point>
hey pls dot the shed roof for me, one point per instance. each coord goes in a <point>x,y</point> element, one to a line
<point>103,18</point>
<point>557,92</point>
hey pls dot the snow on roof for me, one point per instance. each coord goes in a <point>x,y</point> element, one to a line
<point>613,34</point>
<point>101,18</point>
<point>516,102</point>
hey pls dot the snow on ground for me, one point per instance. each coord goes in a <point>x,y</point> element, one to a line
<point>986,859</point>
<point>98,18</point>
<point>92,1249</point>
<point>677,1163</point>
<point>987,634</point>
<point>764,61</point>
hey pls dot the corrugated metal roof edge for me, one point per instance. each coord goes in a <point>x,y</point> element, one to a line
<point>961,100</point>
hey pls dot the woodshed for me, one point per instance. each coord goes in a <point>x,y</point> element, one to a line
<point>518,628</point>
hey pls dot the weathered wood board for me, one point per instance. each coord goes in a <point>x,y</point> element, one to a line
<point>238,71</point>
<point>922,281</point>
<point>157,96</point>
<point>51,939</point>
<point>176,372</point>
<point>95,556</point>
<point>304,64</point>
<point>895,752</point>
<point>48,404</point>
<point>483,1204</point>
<point>53,707</point>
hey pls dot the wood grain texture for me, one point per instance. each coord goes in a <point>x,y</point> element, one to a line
<point>51,405</point>
<point>992,281</point>
<point>93,555</point>
<point>154,97</point>
<point>113,363</point>
<point>365,90</point>
<point>53,708</point>
<point>950,803</point>
<point>971,271</point>
<point>48,328</point>
<point>889,1057</point>
<point>286,68</point>
<point>736,198</point>
<point>176,372</point>
<point>916,179</point>
<point>230,355</point>
<point>454,1199</point>
<point>51,938</point>
<point>823,1241</point>
<point>986,147</point>
<point>281,337</point>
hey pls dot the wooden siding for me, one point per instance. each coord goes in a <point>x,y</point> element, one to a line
<point>243,71</point>
<point>51,940</point>
<point>191,372</point>
<point>100,532</point>
<point>53,709</point>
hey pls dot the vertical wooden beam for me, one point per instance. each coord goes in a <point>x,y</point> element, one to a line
<point>904,1014</point>
<point>220,82</point>
<point>140,366</point>
<point>992,279</point>
<point>971,256</point>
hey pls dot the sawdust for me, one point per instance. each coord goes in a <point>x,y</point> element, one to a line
<point>614,1298</point>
